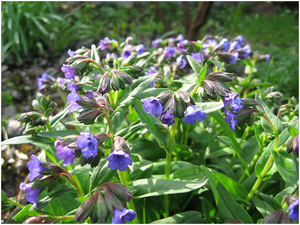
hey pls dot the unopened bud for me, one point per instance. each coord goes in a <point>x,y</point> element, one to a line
<point>130,60</point>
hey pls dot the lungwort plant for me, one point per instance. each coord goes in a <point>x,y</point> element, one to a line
<point>160,134</point>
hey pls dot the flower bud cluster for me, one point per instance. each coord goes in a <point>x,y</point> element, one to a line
<point>169,105</point>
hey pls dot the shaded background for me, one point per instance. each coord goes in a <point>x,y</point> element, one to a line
<point>37,35</point>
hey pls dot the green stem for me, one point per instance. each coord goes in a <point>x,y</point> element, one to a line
<point>71,217</point>
<point>244,135</point>
<point>168,164</point>
<point>110,125</point>
<point>186,134</point>
<point>116,97</point>
<point>14,203</point>
<point>73,182</point>
<point>76,179</point>
<point>232,159</point>
<point>111,100</point>
<point>48,126</point>
<point>194,90</point>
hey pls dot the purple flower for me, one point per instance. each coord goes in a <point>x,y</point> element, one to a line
<point>109,55</point>
<point>233,100</point>
<point>72,98</point>
<point>71,53</point>
<point>181,61</point>
<point>210,43</point>
<point>119,159</point>
<point>69,72</point>
<point>62,81</point>
<point>122,216</point>
<point>151,71</point>
<point>294,210</point>
<point>90,94</point>
<point>171,40</point>
<point>167,118</point>
<point>197,56</point>
<point>169,52</point>
<point>229,119</point>
<point>233,57</point>
<point>156,42</point>
<point>267,57</point>
<point>152,105</point>
<point>105,43</point>
<point>140,49</point>
<point>65,153</point>
<point>88,145</point>
<point>32,195</point>
<point>193,113</point>
<point>235,45</point>
<point>224,44</point>
<point>245,52</point>
<point>181,45</point>
<point>180,37</point>
<point>240,39</point>
<point>34,167</point>
<point>44,77</point>
<point>126,53</point>
<point>72,87</point>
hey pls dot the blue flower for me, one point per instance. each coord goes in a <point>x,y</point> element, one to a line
<point>152,70</point>
<point>180,37</point>
<point>240,39</point>
<point>233,57</point>
<point>224,44</point>
<point>169,52</point>
<point>119,159</point>
<point>88,145</point>
<point>152,105</point>
<point>181,61</point>
<point>34,167</point>
<point>235,45</point>
<point>171,41</point>
<point>72,98</point>
<point>230,119</point>
<point>65,153</point>
<point>44,77</point>
<point>122,216</point>
<point>267,57</point>
<point>233,100</point>
<point>156,42</point>
<point>294,210</point>
<point>193,113</point>
<point>72,87</point>
<point>32,195</point>
<point>126,53</point>
<point>167,118</point>
<point>245,52</point>
<point>71,53</point>
<point>181,45</point>
<point>105,43</point>
<point>140,49</point>
<point>197,56</point>
<point>69,72</point>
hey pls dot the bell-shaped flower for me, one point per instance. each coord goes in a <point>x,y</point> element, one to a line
<point>156,42</point>
<point>140,49</point>
<point>152,105</point>
<point>121,216</point>
<point>71,53</point>
<point>34,167</point>
<point>88,145</point>
<point>193,113</point>
<point>72,100</point>
<point>119,159</point>
<point>69,72</point>
<point>32,195</point>
<point>169,52</point>
<point>167,118</point>
<point>198,56</point>
<point>181,61</point>
<point>230,119</point>
<point>294,210</point>
<point>65,153</point>
<point>233,100</point>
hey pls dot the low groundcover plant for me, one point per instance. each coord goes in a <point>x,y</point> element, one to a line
<point>167,133</point>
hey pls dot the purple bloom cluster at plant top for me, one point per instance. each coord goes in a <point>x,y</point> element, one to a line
<point>69,72</point>
<point>88,145</point>
<point>119,160</point>
<point>126,53</point>
<point>294,210</point>
<point>44,77</point>
<point>121,216</point>
<point>65,153</point>
<point>167,118</point>
<point>34,167</point>
<point>72,98</point>
<point>169,52</point>
<point>153,106</point>
<point>32,195</point>
<point>71,53</point>
<point>140,49</point>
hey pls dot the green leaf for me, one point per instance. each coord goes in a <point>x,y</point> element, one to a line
<point>26,211</point>
<point>142,172</point>
<point>58,133</point>
<point>128,131</point>
<point>102,173</point>
<point>39,141</point>
<point>153,124</point>
<point>209,107</point>
<point>58,117</point>
<point>218,64</point>
<point>149,150</point>
<point>188,173</point>
<point>180,218</point>
<point>159,167</point>
<point>95,55</point>
<point>150,92</point>
<point>262,162</point>
<point>293,131</point>
<point>263,207</point>
<point>228,208</point>
<point>286,167</point>
<point>194,64</point>
<point>3,196</point>
<point>201,75</point>
<point>155,187</point>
